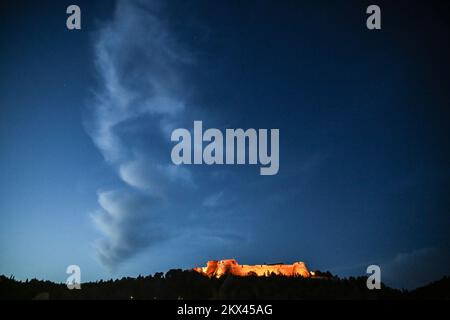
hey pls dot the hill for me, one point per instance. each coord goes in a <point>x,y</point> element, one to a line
<point>179,284</point>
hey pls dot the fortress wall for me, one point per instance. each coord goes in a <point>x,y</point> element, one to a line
<point>219,268</point>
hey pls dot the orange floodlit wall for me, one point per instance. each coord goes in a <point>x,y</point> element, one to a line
<point>216,268</point>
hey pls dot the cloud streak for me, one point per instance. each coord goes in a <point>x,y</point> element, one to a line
<point>139,100</point>
<point>124,220</point>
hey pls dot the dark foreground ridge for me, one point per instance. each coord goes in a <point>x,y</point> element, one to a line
<point>179,284</point>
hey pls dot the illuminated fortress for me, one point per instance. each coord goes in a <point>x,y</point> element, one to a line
<point>216,268</point>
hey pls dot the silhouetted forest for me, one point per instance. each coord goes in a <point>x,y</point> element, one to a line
<point>179,284</point>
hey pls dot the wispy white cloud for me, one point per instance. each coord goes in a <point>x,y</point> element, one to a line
<point>213,200</point>
<point>124,220</point>
<point>151,176</point>
<point>139,100</point>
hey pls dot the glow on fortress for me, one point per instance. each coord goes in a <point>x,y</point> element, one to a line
<point>216,268</point>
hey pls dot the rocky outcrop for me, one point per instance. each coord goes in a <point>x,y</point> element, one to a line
<point>216,268</point>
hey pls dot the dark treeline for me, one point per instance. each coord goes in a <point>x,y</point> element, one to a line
<point>179,284</point>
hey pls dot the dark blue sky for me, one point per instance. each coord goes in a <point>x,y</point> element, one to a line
<point>86,116</point>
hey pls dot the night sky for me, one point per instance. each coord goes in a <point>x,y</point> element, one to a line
<point>86,117</point>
